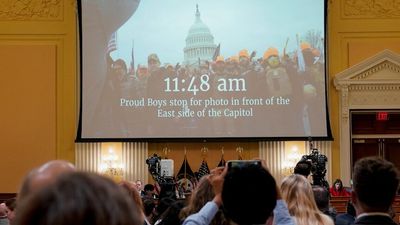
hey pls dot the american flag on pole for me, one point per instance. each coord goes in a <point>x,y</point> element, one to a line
<point>203,170</point>
<point>112,43</point>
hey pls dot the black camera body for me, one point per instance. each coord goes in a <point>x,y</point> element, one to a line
<point>167,183</point>
<point>154,166</point>
<point>318,167</point>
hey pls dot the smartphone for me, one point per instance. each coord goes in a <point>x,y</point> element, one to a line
<point>242,163</point>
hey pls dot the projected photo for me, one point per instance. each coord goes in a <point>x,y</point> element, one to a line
<point>203,69</point>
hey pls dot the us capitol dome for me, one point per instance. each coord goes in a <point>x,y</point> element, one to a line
<point>199,43</point>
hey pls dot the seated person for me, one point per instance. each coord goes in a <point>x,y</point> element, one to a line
<point>337,189</point>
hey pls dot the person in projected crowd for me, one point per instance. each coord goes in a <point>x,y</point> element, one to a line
<point>141,81</point>
<point>155,90</point>
<point>100,20</point>
<point>311,76</point>
<point>117,86</point>
<point>276,81</point>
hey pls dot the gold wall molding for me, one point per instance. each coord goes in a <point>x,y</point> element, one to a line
<point>372,84</point>
<point>31,10</point>
<point>369,9</point>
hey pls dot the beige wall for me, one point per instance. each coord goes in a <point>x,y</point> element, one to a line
<point>38,79</point>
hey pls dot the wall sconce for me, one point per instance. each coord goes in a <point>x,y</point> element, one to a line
<point>111,165</point>
<point>294,150</point>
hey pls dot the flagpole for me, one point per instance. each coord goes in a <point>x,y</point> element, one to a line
<point>184,170</point>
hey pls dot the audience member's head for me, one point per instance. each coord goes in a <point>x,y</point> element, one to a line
<point>131,190</point>
<point>202,194</point>
<point>148,190</point>
<point>43,176</point>
<point>298,194</point>
<point>303,168</point>
<point>139,185</point>
<point>3,210</point>
<point>375,183</point>
<point>322,197</point>
<point>78,198</point>
<point>11,204</point>
<point>249,194</point>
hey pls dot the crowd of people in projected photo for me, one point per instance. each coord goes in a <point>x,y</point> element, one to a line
<point>274,73</point>
<point>57,193</point>
<point>298,76</point>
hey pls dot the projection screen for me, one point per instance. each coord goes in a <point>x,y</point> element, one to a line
<point>177,69</point>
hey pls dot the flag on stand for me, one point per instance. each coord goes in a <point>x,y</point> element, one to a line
<point>112,43</point>
<point>222,162</point>
<point>203,170</point>
<point>185,177</point>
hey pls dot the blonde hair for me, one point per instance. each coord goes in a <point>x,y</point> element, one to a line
<point>298,194</point>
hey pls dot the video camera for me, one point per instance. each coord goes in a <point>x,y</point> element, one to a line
<point>167,183</point>
<point>318,166</point>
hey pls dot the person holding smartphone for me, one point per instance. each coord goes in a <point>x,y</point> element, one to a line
<point>234,186</point>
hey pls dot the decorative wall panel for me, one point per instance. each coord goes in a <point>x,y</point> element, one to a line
<point>31,10</point>
<point>371,9</point>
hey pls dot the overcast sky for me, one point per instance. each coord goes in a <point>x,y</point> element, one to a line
<point>161,26</point>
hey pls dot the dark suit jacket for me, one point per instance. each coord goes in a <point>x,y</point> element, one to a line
<point>374,220</point>
<point>344,219</point>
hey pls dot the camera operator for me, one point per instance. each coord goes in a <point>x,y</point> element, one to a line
<point>239,205</point>
<point>318,167</point>
<point>165,185</point>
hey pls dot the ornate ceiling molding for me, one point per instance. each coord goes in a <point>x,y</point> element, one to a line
<point>371,9</point>
<point>31,10</point>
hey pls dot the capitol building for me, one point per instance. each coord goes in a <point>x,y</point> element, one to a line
<point>199,43</point>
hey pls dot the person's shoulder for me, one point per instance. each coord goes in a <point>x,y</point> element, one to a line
<point>327,220</point>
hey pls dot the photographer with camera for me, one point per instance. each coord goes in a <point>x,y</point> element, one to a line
<point>234,186</point>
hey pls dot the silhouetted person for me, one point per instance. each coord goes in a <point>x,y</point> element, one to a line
<point>375,184</point>
<point>322,198</point>
<point>348,217</point>
<point>303,168</point>
<point>43,176</point>
<point>79,198</point>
